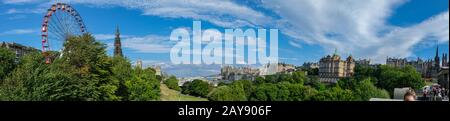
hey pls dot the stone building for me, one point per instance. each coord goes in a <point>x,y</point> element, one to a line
<point>285,68</point>
<point>429,69</point>
<point>443,78</point>
<point>236,73</point>
<point>18,49</point>
<point>443,75</point>
<point>332,68</point>
<point>363,62</point>
<point>231,73</point>
<point>310,65</point>
<point>157,70</point>
<point>444,60</point>
<point>396,62</point>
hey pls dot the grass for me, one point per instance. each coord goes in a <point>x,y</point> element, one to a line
<point>172,95</point>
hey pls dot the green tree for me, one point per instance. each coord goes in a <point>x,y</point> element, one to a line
<point>34,80</point>
<point>247,86</point>
<point>265,92</point>
<point>363,72</point>
<point>185,89</point>
<point>283,91</point>
<point>233,92</point>
<point>122,71</point>
<point>221,93</point>
<point>143,86</point>
<point>363,90</point>
<point>172,83</point>
<point>196,88</point>
<point>82,72</point>
<point>271,78</point>
<point>259,80</point>
<point>299,77</point>
<point>92,66</point>
<point>317,85</point>
<point>7,62</point>
<point>298,92</point>
<point>310,71</point>
<point>19,86</point>
<point>366,90</point>
<point>334,94</point>
<point>391,77</point>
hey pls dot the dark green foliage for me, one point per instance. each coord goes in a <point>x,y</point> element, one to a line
<point>7,62</point>
<point>143,86</point>
<point>363,90</point>
<point>233,92</point>
<point>334,94</point>
<point>122,71</point>
<point>18,85</point>
<point>388,78</point>
<point>310,71</point>
<point>172,83</point>
<point>83,72</point>
<point>283,92</point>
<point>196,88</point>
<point>222,93</point>
<point>297,77</point>
<point>246,85</point>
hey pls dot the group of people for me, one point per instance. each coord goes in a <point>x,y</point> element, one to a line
<point>435,93</point>
<point>430,93</point>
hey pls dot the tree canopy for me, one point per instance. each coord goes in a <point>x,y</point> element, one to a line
<point>81,72</point>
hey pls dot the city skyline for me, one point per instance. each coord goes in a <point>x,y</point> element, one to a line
<point>367,30</point>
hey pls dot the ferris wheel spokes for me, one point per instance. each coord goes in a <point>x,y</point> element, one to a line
<point>60,22</point>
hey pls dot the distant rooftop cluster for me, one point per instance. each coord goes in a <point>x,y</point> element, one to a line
<point>18,49</point>
<point>231,73</point>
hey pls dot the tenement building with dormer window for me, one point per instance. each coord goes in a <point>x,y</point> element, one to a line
<point>332,68</point>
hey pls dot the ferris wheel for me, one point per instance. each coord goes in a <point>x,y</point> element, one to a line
<point>60,22</point>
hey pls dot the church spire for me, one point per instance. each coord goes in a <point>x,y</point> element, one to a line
<point>437,50</point>
<point>117,44</point>
<point>436,58</point>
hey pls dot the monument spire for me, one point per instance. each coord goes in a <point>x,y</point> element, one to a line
<point>117,44</point>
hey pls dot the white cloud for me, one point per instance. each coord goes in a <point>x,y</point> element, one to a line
<point>19,1</point>
<point>354,27</point>
<point>16,17</point>
<point>290,59</point>
<point>110,39</point>
<point>295,44</point>
<point>25,11</point>
<point>18,32</point>
<point>148,44</point>
<point>109,36</point>
<point>220,12</point>
<point>104,36</point>
<point>12,11</point>
<point>435,28</point>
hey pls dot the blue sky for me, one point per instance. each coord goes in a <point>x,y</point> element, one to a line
<point>309,29</point>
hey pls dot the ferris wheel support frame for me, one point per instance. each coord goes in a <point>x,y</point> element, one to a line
<point>58,7</point>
